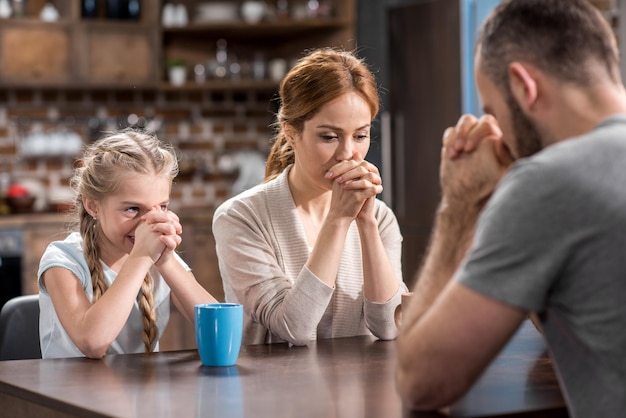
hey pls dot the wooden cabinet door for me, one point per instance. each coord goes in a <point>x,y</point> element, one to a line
<point>119,57</point>
<point>425,86</point>
<point>35,54</point>
<point>198,251</point>
<point>37,236</point>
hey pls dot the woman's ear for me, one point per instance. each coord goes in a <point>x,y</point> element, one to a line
<point>523,84</point>
<point>290,134</point>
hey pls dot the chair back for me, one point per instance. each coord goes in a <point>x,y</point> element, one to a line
<point>19,328</point>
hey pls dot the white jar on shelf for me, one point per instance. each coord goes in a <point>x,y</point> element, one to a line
<point>177,75</point>
<point>253,11</point>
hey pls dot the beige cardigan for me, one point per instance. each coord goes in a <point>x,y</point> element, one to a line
<point>262,251</point>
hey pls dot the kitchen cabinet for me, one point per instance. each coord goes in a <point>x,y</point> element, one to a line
<point>95,52</point>
<point>77,52</point>
<point>246,45</point>
<point>198,251</point>
<point>35,53</point>
<point>118,55</point>
<point>37,234</point>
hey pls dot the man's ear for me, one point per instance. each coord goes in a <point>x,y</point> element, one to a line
<point>523,85</point>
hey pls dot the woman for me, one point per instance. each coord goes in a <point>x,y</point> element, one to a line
<point>312,253</point>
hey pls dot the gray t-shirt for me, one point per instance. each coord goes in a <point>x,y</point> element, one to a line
<point>553,240</point>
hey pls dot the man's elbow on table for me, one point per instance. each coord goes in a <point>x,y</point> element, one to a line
<point>424,393</point>
<point>424,381</point>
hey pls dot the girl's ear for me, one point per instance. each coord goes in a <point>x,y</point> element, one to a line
<point>91,206</point>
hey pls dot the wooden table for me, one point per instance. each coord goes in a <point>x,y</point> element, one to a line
<point>347,377</point>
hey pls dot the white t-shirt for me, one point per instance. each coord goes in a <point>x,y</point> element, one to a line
<point>54,340</point>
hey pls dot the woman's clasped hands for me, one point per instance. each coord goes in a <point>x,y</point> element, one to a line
<point>158,234</point>
<point>356,183</point>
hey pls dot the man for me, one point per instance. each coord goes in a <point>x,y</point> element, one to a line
<point>545,235</point>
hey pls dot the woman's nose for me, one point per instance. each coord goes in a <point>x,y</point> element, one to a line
<point>344,150</point>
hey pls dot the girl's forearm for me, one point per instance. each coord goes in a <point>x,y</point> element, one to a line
<point>186,289</point>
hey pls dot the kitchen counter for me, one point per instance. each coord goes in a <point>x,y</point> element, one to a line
<point>22,219</point>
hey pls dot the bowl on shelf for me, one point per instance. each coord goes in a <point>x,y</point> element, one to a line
<point>21,204</point>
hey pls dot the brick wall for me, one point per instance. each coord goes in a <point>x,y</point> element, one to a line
<point>203,127</point>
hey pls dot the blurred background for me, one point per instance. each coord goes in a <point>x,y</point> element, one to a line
<point>203,75</point>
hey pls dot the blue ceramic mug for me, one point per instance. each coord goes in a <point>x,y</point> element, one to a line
<point>219,327</point>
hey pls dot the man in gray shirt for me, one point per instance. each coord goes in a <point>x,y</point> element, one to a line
<point>545,234</point>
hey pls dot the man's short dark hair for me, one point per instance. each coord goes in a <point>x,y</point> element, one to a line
<point>568,39</point>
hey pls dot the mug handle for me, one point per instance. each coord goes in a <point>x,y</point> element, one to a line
<point>397,315</point>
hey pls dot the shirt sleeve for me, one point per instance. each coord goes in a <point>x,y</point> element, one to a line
<point>62,254</point>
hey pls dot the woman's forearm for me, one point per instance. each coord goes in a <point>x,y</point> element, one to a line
<point>379,278</point>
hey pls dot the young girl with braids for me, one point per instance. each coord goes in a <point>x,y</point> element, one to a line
<point>106,289</point>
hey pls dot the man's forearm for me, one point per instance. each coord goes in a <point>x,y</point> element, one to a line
<point>452,237</point>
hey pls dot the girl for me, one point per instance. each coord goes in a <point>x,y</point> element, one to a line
<point>312,253</point>
<point>106,289</point>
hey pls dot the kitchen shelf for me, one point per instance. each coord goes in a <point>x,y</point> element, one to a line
<point>31,20</point>
<point>222,85</point>
<point>269,28</point>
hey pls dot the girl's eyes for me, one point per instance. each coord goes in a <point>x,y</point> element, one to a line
<point>136,209</point>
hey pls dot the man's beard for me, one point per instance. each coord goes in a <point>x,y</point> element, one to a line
<point>527,136</point>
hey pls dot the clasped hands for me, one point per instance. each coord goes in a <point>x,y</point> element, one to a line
<point>356,183</point>
<point>474,159</point>
<point>158,234</point>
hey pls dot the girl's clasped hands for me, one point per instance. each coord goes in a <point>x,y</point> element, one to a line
<point>158,235</point>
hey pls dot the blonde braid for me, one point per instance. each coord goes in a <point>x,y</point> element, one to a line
<point>90,229</point>
<point>146,302</point>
